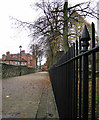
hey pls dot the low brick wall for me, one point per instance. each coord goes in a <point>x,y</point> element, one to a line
<point>12,70</point>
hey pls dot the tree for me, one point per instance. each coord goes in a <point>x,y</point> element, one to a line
<point>65,26</point>
<point>84,11</point>
<point>52,24</point>
<point>37,52</point>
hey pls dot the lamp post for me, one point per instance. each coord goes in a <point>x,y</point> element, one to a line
<point>20,58</point>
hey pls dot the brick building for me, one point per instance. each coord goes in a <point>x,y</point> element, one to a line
<point>14,59</point>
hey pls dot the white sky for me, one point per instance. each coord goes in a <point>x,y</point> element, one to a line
<point>10,39</point>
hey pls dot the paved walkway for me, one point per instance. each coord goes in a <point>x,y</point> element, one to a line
<point>28,96</point>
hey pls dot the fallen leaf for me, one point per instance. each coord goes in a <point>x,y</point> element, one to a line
<point>7,96</point>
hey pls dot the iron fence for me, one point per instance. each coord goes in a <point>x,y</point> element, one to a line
<point>75,79</point>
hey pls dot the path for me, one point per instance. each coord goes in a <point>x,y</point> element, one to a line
<point>28,96</point>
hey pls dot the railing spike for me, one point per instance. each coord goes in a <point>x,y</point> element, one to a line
<point>85,38</point>
<point>85,34</point>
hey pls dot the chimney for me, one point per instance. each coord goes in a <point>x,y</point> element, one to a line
<point>8,54</point>
<point>23,52</point>
<point>3,57</point>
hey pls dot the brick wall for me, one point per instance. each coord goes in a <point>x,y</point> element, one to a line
<point>12,70</point>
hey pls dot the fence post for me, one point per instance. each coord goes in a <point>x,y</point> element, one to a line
<point>80,79</point>
<point>74,107</point>
<point>76,96</point>
<point>85,38</point>
<point>93,72</point>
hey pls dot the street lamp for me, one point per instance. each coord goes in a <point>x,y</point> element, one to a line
<point>20,58</point>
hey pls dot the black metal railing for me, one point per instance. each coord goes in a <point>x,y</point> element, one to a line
<point>74,82</point>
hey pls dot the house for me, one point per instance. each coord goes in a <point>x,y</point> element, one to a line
<point>14,59</point>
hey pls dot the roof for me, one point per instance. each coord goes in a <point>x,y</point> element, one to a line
<point>28,54</point>
<point>18,54</point>
<point>14,59</point>
<point>11,59</point>
<point>15,54</point>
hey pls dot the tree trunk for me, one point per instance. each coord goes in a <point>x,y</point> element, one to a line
<point>65,27</point>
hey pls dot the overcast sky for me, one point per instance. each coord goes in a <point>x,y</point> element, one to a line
<point>10,39</point>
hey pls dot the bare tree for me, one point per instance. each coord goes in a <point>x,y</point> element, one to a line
<point>37,52</point>
<point>55,21</point>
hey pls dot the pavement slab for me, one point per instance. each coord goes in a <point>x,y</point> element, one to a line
<point>28,96</point>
